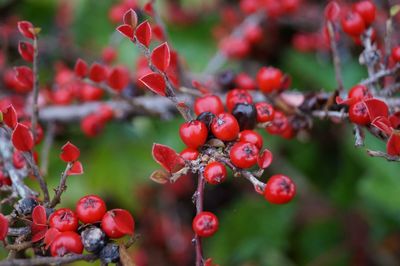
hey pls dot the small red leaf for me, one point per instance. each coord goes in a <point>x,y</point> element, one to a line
<point>130,18</point>
<point>97,72</point>
<point>81,68</point>
<point>124,221</point>
<point>22,138</point>
<point>24,76</point>
<point>126,30</point>
<point>38,232</point>
<point>26,51</point>
<point>161,57</point>
<point>154,82</point>
<point>69,152</point>
<point>376,108</point>
<point>264,159</point>
<point>118,79</point>
<point>158,32</point>
<point>349,101</point>
<point>393,145</point>
<point>50,235</point>
<point>76,169</point>
<point>3,227</point>
<point>148,8</point>
<point>383,124</point>
<point>39,215</point>
<point>10,117</point>
<point>143,33</point>
<point>332,11</point>
<point>26,29</point>
<point>167,158</point>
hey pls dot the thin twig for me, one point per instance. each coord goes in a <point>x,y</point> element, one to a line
<point>28,156</point>
<point>49,260</point>
<point>388,157</point>
<point>35,105</point>
<point>47,144</point>
<point>199,200</point>
<point>61,187</point>
<point>335,55</point>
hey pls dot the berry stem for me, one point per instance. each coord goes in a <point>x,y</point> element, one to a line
<point>335,55</point>
<point>35,106</point>
<point>61,187</point>
<point>199,201</point>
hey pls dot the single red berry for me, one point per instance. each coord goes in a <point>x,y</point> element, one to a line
<point>366,9</point>
<point>243,154</point>
<point>269,79</point>
<point>66,243</point>
<point>225,127</point>
<point>359,92</point>
<point>279,189</point>
<point>358,113</point>
<point>396,54</point>
<point>244,81</point>
<point>249,6</point>
<point>189,154</point>
<point>215,173</point>
<point>251,136</point>
<point>193,133</point>
<point>279,125</point>
<point>64,220</point>
<point>265,112</point>
<point>353,24</point>
<point>205,224</point>
<point>253,34</point>
<point>117,222</point>
<point>90,209</point>
<point>92,125</point>
<point>208,103</point>
<point>237,96</point>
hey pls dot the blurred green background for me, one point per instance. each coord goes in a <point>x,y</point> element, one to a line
<point>348,208</point>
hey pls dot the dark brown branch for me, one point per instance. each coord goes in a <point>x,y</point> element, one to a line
<point>199,201</point>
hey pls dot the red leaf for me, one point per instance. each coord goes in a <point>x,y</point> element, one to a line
<point>81,68</point>
<point>26,29</point>
<point>39,215</point>
<point>167,158</point>
<point>148,8</point>
<point>126,30</point>
<point>118,78</point>
<point>376,108</point>
<point>124,221</point>
<point>143,33</point>
<point>38,232</point>
<point>130,18</point>
<point>393,145</point>
<point>349,101</point>
<point>76,169</point>
<point>332,11</point>
<point>3,227</point>
<point>10,117</point>
<point>69,152</point>
<point>97,72</point>
<point>395,120</point>
<point>22,138</point>
<point>158,32</point>
<point>25,49</point>
<point>24,76</point>
<point>264,159</point>
<point>155,82</point>
<point>161,56</point>
<point>383,124</point>
<point>50,235</point>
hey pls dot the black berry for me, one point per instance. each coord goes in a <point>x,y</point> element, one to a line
<point>110,253</point>
<point>246,115</point>
<point>93,239</point>
<point>25,206</point>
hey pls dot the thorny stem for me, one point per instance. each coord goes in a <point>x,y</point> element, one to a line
<point>199,201</point>
<point>61,187</point>
<point>35,106</point>
<point>335,55</point>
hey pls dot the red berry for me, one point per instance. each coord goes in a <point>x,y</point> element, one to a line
<point>279,125</point>
<point>18,159</point>
<point>64,220</point>
<point>279,189</point>
<point>243,154</point>
<point>265,112</point>
<point>244,81</point>
<point>237,96</point>
<point>253,34</point>
<point>249,6</point>
<point>359,92</point>
<point>193,133</point>
<point>225,127</point>
<point>396,54</point>
<point>358,114</point>
<point>92,125</point>
<point>189,154</point>
<point>353,24</point>
<point>208,103</point>
<point>251,136</point>
<point>90,209</point>
<point>66,243</point>
<point>269,79</point>
<point>117,223</point>
<point>215,173</point>
<point>205,224</point>
<point>366,9</point>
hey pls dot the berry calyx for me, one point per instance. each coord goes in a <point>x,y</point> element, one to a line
<point>225,127</point>
<point>66,243</point>
<point>208,103</point>
<point>64,220</point>
<point>269,79</point>
<point>205,224</point>
<point>193,133</point>
<point>251,136</point>
<point>279,189</point>
<point>244,154</point>
<point>215,173</point>
<point>90,209</point>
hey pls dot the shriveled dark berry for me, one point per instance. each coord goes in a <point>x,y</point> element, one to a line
<point>206,118</point>
<point>25,206</point>
<point>246,115</point>
<point>226,79</point>
<point>110,253</point>
<point>93,239</point>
